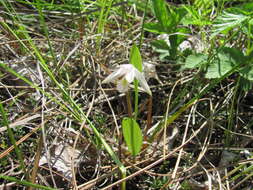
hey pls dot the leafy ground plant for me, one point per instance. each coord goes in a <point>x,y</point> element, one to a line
<point>177,117</point>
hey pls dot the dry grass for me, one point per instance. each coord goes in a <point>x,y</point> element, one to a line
<point>190,154</point>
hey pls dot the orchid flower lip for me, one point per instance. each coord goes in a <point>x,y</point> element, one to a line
<point>125,74</point>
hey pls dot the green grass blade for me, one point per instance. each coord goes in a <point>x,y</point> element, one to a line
<point>105,9</point>
<point>45,29</point>
<point>25,183</point>
<point>12,139</point>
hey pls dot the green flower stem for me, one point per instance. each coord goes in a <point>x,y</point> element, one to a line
<point>135,99</point>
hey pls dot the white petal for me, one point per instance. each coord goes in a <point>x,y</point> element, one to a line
<point>127,67</point>
<point>130,75</point>
<point>120,71</point>
<point>128,71</point>
<point>113,76</point>
<point>143,83</point>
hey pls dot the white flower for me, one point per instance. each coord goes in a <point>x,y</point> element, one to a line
<point>124,75</point>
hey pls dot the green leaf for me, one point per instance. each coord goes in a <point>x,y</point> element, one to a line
<point>132,135</point>
<point>251,21</point>
<point>193,61</point>
<point>168,17</point>
<point>161,47</point>
<point>160,44</point>
<point>225,61</point>
<point>164,54</point>
<point>193,17</point>
<point>161,13</point>
<point>154,28</point>
<point>218,68</point>
<point>177,14</point>
<point>245,84</point>
<point>228,21</point>
<point>247,72</point>
<point>135,58</point>
<point>244,8</point>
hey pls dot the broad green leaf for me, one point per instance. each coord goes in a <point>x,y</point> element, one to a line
<point>251,21</point>
<point>154,28</point>
<point>183,34</point>
<point>218,68</point>
<point>161,47</point>
<point>161,13</point>
<point>164,54</point>
<point>177,14</point>
<point>193,61</point>
<point>132,135</point>
<point>135,58</point>
<point>160,44</point>
<point>226,60</point>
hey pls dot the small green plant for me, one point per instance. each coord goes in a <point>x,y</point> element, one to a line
<point>123,76</point>
<point>222,60</point>
<point>168,20</point>
<point>158,183</point>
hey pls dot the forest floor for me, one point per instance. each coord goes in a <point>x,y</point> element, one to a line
<point>62,127</point>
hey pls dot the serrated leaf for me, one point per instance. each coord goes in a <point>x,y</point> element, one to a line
<point>132,135</point>
<point>218,68</point>
<point>226,59</point>
<point>227,21</point>
<point>193,61</point>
